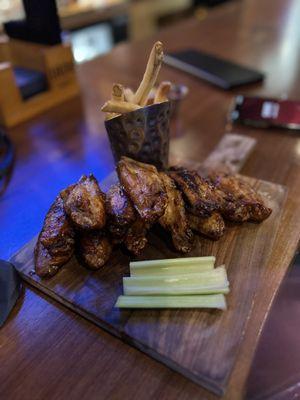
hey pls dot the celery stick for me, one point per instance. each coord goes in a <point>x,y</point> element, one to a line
<point>203,301</point>
<point>175,290</point>
<point>173,261</point>
<point>174,270</point>
<point>172,266</point>
<point>214,281</point>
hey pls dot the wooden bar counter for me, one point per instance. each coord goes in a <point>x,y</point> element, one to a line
<point>48,352</point>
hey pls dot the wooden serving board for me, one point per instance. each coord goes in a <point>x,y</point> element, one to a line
<point>200,344</point>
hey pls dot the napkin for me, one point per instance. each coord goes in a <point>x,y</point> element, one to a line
<point>10,288</point>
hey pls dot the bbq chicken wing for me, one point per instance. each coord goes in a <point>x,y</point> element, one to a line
<point>213,226</point>
<point>85,204</point>
<point>135,239</point>
<point>120,213</point>
<point>46,264</point>
<point>201,198</point>
<point>95,249</point>
<point>55,243</point>
<point>124,224</point>
<point>144,187</point>
<point>174,218</point>
<point>240,202</point>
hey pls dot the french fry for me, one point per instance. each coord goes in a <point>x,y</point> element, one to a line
<point>110,116</point>
<point>118,92</point>
<point>124,100</point>
<point>128,93</point>
<point>150,75</point>
<point>119,107</point>
<point>162,92</point>
<point>150,99</point>
<point>116,95</point>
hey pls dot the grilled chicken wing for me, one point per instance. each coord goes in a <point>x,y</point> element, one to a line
<point>174,218</point>
<point>144,187</point>
<point>212,226</point>
<point>124,224</point>
<point>200,196</point>
<point>135,239</point>
<point>180,200</point>
<point>95,249</point>
<point>85,204</point>
<point>120,212</point>
<point>239,201</point>
<point>46,264</point>
<point>55,244</point>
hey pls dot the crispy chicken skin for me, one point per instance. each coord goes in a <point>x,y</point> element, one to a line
<point>120,213</point>
<point>95,249</point>
<point>57,234</point>
<point>135,239</point>
<point>85,204</point>
<point>239,201</point>
<point>46,264</point>
<point>213,226</point>
<point>174,219</point>
<point>144,187</point>
<point>124,224</point>
<point>55,243</point>
<point>201,198</point>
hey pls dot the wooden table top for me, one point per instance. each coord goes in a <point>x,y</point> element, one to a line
<point>49,352</point>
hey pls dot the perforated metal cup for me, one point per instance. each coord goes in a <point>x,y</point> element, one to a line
<point>142,135</point>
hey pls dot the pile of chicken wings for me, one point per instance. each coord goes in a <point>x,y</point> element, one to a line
<point>85,221</point>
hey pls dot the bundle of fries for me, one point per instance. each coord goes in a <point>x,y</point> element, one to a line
<point>124,100</point>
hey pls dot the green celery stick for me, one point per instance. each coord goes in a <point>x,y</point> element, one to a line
<point>172,266</point>
<point>214,281</point>
<point>202,301</point>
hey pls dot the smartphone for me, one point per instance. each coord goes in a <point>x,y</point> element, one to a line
<point>217,71</point>
<point>266,112</point>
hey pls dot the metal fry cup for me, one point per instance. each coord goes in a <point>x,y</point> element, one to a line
<point>142,134</point>
<point>176,95</point>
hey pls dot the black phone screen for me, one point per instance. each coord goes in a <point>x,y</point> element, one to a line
<point>222,73</point>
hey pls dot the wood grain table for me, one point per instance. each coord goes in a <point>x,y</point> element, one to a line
<point>48,352</point>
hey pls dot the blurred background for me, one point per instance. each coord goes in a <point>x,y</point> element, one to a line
<point>94,27</point>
